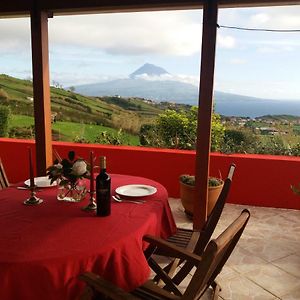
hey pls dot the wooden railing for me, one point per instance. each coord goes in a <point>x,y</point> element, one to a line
<point>262,180</point>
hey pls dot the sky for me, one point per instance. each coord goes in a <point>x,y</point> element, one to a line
<point>93,48</point>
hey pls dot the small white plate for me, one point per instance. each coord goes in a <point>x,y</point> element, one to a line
<point>42,182</point>
<point>136,190</point>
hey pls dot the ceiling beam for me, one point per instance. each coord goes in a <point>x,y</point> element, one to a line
<point>61,7</point>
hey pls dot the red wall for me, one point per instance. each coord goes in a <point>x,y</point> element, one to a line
<point>261,180</point>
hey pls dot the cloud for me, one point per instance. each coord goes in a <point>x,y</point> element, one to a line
<point>276,49</point>
<point>260,18</point>
<point>226,41</point>
<point>194,80</point>
<point>238,61</point>
<point>273,17</point>
<point>277,17</point>
<point>166,33</point>
<point>67,79</point>
<point>175,33</point>
<point>14,35</point>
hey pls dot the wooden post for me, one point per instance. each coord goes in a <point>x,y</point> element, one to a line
<point>41,90</point>
<point>209,34</point>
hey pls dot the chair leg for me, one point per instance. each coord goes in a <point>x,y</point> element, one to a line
<point>171,268</point>
<point>216,290</point>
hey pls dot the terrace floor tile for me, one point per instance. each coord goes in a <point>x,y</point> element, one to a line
<point>266,262</point>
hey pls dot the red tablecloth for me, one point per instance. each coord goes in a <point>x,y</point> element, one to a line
<point>44,248</point>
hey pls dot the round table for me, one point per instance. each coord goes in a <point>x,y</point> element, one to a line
<point>44,248</point>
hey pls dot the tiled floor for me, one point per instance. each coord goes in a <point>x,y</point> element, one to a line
<point>266,262</point>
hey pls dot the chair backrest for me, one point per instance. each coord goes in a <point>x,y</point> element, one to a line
<point>3,178</point>
<point>201,241</point>
<point>215,214</point>
<point>215,256</point>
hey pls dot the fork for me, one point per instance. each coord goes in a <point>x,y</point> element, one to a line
<point>120,200</point>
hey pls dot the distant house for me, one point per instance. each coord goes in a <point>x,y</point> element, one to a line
<point>268,130</point>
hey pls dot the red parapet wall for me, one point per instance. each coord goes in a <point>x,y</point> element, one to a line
<point>261,180</point>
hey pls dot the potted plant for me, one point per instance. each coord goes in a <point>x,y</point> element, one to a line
<point>187,192</point>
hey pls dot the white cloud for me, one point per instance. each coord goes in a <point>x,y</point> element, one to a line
<point>260,18</point>
<point>275,49</point>
<point>238,61</point>
<point>14,35</point>
<point>67,79</point>
<point>226,41</point>
<point>194,80</point>
<point>285,17</point>
<point>176,33</point>
<point>277,17</point>
<point>167,33</point>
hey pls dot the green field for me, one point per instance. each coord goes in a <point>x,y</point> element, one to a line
<point>81,118</point>
<point>69,130</point>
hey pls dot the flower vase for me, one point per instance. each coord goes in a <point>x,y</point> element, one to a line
<point>72,191</point>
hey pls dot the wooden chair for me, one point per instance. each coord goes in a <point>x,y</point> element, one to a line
<point>3,178</point>
<point>208,266</point>
<point>191,240</point>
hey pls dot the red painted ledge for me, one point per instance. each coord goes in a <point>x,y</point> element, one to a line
<point>262,180</point>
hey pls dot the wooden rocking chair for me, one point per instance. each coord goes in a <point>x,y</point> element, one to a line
<point>3,178</point>
<point>208,266</point>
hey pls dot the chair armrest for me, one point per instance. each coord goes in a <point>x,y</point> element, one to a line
<point>105,288</point>
<point>172,249</point>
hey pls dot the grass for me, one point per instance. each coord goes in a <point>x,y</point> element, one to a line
<point>69,130</point>
<point>20,121</point>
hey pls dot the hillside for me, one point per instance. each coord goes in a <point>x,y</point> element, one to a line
<point>115,112</point>
<point>79,117</point>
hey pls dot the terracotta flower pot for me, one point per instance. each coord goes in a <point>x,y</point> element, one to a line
<point>187,195</point>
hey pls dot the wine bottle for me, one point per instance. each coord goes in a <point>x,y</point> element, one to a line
<point>103,182</point>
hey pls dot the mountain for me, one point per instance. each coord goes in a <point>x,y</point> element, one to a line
<point>159,90</point>
<point>179,92</point>
<point>148,69</point>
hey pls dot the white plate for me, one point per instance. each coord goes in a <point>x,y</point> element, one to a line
<point>43,181</point>
<point>136,190</point>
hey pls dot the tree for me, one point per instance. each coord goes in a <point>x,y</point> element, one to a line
<point>239,141</point>
<point>56,84</point>
<point>178,130</point>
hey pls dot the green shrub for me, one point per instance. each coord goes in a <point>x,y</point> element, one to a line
<point>112,138</point>
<point>22,132</point>
<point>149,136</point>
<point>239,141</point>
<point>275,145</point>
<point>4,118</point>
<point>80,140</point>
<point>295,150</point>
<point>178,130</point>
